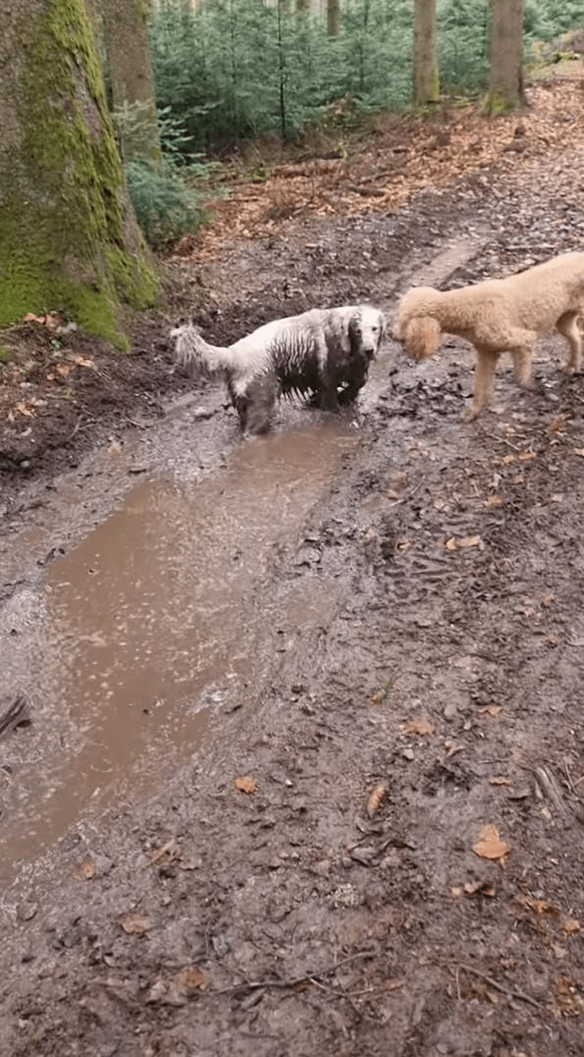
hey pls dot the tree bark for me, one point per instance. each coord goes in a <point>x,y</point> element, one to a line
<point>426,77</point>
<point>129,66</point>
<point>333,17</point>
<point>506,89</point>
<point>68,238</point>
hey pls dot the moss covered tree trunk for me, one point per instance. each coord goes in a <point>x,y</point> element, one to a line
<point>129,66</point>
<point>426,80</point>
<point>506,56</point>
<point>68,239</point>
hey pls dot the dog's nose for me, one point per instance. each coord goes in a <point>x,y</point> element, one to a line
<point>369,352</point>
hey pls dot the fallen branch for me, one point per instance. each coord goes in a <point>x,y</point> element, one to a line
<point>306,978</point>
<point>509,992</point>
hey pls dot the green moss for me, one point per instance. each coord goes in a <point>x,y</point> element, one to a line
<point>496,105</point>
<point>65,236</point>
<point>5,354</point>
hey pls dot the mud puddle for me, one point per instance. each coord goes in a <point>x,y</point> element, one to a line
<point>148,634</point>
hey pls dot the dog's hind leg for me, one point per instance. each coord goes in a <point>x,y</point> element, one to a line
<point>484,380</point>
<point>569,328</point>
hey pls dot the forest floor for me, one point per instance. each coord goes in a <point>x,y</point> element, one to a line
<point>309,783</point>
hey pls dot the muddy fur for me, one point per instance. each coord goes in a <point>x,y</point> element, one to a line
<point>322,355</point>
<point>500,315</point>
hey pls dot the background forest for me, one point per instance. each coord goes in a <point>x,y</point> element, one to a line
<point>233,70</point>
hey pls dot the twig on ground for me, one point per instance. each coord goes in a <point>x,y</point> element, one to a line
<point>17,713</point>
<point>308,977</point>
<point>508,991</point>
<point>393,986</point>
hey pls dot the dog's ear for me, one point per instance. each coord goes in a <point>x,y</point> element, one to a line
<point>421,337</point>
<point>355,332</point>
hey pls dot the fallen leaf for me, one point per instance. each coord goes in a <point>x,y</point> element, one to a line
<point>135,924</point>
<point>490,845</point>
<point>473,888</point>
<point>492,710</point>
<point>64,369</point>
<point>571,926</point>
<point>578,451</point>
<point>83,361</point>
<point>86,871</point>
<point>466,541</point>
<point>24,410</point>
<point>494,500</point>
<point>500,779</point>
<point>375,798</point>
<point>527,456</point>
<point>31,318</point>
<point>166,849</point>
<point>419,726</point>
<point>246,784</point>
<point>508,459</point>
<point>192,979</point>
<point>538,906</point>
<point>548,600</point>
<point>557,424</point>
<point>567,998</point>
<point>456,892</point>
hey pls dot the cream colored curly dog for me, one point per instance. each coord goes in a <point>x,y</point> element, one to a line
<point>499,315</point>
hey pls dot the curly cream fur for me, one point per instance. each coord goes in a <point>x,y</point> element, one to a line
<point>313,354</point>
<point>499,315</point>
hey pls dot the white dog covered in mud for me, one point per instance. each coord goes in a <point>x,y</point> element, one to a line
<point>500,315</point>
<point>323,355</point>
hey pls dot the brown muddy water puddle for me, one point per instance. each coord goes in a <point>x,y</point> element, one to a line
<point>143,638</point>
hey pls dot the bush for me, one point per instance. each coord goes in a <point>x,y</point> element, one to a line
<point>167,195</point>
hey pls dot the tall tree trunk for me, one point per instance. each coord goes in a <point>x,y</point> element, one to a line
<point>129,65</point>
<point>302,7</point>
<point>426,79</point>
<point>333,17</point>
<point>68,239</point>
<point>506,56</point>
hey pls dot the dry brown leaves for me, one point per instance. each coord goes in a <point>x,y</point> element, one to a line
<point>463,543</point>
<point>136,924</point>
<point>246,784</point>
<point>420,727</point>
<point>86,871</point>
<point>385,170</point>
<point>191,979</point>
<point>375,799</point>
<point>490,845</point>
<point>567,997</point>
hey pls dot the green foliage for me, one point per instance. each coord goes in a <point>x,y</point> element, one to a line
<point>167,195</point>
<point>237,69</point>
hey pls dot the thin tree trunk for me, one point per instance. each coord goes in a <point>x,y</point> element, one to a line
<point>282,72</point>
<point>426,78</point>
<point>68,239</point>
<point>333,17</point>
<point>506,89</point>
<point>131,76</point>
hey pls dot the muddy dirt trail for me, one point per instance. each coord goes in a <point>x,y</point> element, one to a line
<point>304,772</point>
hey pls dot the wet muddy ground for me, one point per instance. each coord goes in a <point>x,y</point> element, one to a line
<point>279,690</point>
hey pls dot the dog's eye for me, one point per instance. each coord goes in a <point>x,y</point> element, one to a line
<point>375,329</point>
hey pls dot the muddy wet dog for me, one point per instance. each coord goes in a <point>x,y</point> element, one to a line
<point>322,355</point>
<point>500,315</point>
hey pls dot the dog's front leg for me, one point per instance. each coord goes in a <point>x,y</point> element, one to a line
<point>522,359</point>
<point>485,376</point>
